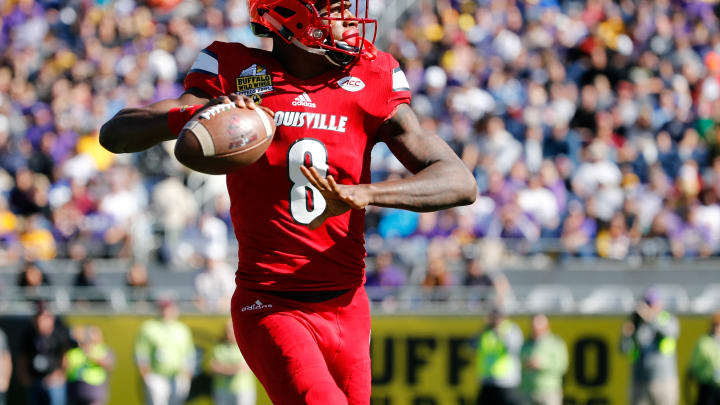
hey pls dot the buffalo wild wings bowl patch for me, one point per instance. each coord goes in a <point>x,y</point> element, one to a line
<point>254,82</point>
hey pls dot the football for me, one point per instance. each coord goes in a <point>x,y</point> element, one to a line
<point>224,138</point>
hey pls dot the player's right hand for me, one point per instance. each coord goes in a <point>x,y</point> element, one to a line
<point>339,198</point>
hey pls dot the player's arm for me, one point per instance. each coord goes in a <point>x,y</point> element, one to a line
<point>137,129</point>
<point>440,179</point>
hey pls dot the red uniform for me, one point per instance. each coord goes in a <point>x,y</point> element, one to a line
<point>329,122</point>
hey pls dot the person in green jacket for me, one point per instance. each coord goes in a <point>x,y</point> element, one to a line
<point>165,356</point>
<point>87,368</point>
<point>705,365</point>
<point>498,361</point>
<point>233,381</point>
<point>544,360</point>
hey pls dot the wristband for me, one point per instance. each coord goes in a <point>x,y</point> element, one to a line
<point>179,116</point>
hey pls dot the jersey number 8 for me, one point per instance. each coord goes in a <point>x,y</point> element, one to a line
<point>306,202</point>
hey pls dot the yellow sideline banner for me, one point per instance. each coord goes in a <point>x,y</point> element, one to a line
<point>426,360</point>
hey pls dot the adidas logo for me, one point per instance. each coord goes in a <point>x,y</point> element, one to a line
<point>304,101</point>
<point>257,305</point>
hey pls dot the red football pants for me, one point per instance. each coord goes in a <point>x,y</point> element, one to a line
<point>306,353</point>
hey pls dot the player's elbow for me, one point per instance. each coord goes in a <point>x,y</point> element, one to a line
<point>107,140</point>
<point>467,189</point>
<point>109,137</point>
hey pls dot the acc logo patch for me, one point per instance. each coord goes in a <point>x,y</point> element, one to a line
<point>351,84</point>
<point>254,82</point>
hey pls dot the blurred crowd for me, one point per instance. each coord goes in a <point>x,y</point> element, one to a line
<point>66,67</point>
<point>592,127</point>
<point>592,123</point>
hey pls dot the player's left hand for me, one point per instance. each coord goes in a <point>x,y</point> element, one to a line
<point>339,198</point>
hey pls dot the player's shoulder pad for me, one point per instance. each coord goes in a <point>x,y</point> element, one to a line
<point>208,59</point>
<point>390,67</point>
<point>387,86</point>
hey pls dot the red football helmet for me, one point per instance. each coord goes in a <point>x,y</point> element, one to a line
<point>299,22</point>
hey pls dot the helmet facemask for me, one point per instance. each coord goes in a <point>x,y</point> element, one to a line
<point>309,25</point>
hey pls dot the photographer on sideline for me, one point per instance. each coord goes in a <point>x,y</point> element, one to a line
<point>649,337</point>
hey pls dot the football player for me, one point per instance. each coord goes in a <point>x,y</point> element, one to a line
<point>300,313</point>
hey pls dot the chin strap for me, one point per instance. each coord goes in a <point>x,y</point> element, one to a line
<point>316,51</point>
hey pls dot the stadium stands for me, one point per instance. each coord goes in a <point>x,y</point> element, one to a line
<point>591,127</point>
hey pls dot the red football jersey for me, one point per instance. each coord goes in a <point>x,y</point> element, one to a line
<point>329,122</point>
